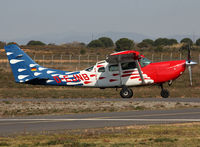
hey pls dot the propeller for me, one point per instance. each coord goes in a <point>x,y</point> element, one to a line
<point>190,63</point>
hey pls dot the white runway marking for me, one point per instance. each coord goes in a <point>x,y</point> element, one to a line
<point>96,119</point>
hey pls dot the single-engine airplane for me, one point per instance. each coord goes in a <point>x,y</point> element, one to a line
<point>120,70</point>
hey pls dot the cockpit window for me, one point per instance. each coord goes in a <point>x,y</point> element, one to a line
<point>89,69</point>
<point>114,67</point>
<point>101,69</point>
<point>128,65</point>
<point>144,62</point>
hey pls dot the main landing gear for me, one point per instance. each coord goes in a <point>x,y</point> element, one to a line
<point>164,92</point>
<point>126,92</point>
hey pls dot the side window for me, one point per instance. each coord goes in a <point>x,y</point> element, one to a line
<point>128,65</point>
<point>114,67</point>
<point>101,69</point>
<point>89,69</point>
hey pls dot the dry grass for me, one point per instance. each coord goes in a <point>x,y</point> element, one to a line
<point>187,134</point>
<point>40,107</point>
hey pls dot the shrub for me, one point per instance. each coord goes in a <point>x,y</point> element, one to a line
<point>33,42</point>
<point>198,42</point>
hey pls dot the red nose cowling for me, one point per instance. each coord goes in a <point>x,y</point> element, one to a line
<point>165,71</point>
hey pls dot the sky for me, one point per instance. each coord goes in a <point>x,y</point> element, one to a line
<point>157,18</point>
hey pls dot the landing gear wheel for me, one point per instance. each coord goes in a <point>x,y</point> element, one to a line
<point>164,93</point>
<point>126,93</point>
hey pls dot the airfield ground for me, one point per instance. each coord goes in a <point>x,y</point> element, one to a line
<point>168,135</point>
<point>186,134</point>
<point>30,107</point>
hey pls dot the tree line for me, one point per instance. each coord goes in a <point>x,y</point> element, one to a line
<point>122,43</point>
<point>128,44</point>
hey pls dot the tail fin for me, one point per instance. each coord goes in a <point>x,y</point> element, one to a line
<point>23,67</point>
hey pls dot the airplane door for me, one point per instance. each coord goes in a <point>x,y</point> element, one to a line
<point>114,75</point>
<point>108,76</point>
<point>101,76</point>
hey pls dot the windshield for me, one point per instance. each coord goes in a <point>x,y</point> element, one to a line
<point>89,69</point>
<point>144,62</point>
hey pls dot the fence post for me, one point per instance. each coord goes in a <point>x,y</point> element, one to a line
<point>52,59</point>
<point>171,56</point>
<point>88,59</point>
<point>61,56</point>
<point>152,57</point>
<point>70,58</point>
<point>43,60</point>
<point>97,58</point>
<point>161,57</point>
<point>180,56</point>
<point>79,60</point>
<point>34,57</point>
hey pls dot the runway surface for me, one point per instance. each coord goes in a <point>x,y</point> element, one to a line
<point>95,120</point>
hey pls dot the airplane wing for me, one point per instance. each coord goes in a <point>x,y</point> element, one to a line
<point>126,56</point>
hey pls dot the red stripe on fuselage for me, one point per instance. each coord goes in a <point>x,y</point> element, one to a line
<point>100,78</point>
<point>113,80</point>
<point>135,77</point>
<point>92,75</point>
<point>87,82</point>
<point>129,75</point>
<point>115,74</point>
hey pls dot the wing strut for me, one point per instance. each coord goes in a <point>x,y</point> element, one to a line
<point>120,71</point>
<point>140,72</point>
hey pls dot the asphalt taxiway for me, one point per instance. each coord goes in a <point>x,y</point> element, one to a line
<point>95,120</point>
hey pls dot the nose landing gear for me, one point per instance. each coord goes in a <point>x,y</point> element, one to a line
<point>164,92</point>
<point>126,92</point>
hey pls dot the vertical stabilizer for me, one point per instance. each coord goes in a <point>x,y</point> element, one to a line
<point>22,65</point>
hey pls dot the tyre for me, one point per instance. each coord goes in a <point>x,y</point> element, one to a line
<point>164,93</point>
<point>126,93</point>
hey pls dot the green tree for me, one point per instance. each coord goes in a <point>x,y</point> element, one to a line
<point>33,42</point>
<point>164,42</point>
<point>148,41</point>
<point>95,44</point>
<point>107,42</point>
<point>161,42</point>
<point>82,51</point>
<point>198,42</point>
<point>124,44</point>
<point>172,41</point>
<point>187,41</point>
<point>143,45</point>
